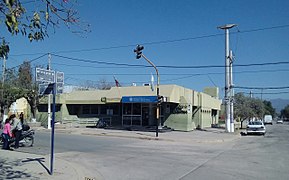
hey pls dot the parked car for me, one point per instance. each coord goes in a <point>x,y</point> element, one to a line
<point>256,127</point>
<point>268,119</point>
<point>279,121</point>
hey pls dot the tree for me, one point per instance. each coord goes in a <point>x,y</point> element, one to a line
<point>4,49</point>
<point>25,75</point>
<point>33,19</point>
<point>103,84</point>
<point>36,17</point>
<point>285,112</point>
<point>25,82</point>
<point>269,108</point>
<point>247,108</point>
<point>11,92</point>
<point>241,108</point>
<point>20,84</point>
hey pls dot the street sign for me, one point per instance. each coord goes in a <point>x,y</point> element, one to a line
<point>60,77</point>
<point>46,88</point>
<point>44,75</point>
<point>59,88</point>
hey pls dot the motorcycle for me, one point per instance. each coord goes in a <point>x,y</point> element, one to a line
<point>26,138</point>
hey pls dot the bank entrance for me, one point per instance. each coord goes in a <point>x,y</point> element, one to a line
<point>138,110</point>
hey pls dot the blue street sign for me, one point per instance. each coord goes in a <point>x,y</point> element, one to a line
<point>44,75</point>
<point>59,88</point>
<point>139,99</point>
<point>60,77</point>
<point>45,88</point>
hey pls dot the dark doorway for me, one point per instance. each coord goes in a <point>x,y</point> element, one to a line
<point>145,116</point>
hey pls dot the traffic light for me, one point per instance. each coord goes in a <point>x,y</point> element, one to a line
<point>138,51</point>
<point>160,99</point>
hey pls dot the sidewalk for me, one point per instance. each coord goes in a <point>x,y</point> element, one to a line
<point>18,165</point>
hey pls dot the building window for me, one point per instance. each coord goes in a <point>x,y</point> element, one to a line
<point>73,109</point>
<point>136,109</point>
<point>94,109</point>
<point>44,107</point>
<point>86,109</point>
<point>127,109</point>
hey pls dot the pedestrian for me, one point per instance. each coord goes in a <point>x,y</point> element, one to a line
<point>6,135</point>
<point>17,129</point>
<point>21,117</point>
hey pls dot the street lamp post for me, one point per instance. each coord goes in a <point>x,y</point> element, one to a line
<point>139,53</point>
<point>228,80</point>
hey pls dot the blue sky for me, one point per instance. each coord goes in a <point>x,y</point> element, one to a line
<point>117,26</point>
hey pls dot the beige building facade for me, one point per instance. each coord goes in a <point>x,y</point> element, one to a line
<point>182,109</point>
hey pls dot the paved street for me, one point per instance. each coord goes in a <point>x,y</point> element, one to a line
<point>176,155</point>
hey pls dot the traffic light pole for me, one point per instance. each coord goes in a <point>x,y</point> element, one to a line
<point>158,95</point>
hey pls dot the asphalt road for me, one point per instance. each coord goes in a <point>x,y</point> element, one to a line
<point>249,157</point>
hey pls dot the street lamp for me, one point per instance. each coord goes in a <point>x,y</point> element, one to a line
<point>139,54</point>
<point>228,80</point>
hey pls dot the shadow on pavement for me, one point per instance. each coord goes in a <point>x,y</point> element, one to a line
<point>8,170</point>
<point>39,160</point>
<point>135,128</point>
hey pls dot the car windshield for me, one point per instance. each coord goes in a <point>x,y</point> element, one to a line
<point>255,123</point>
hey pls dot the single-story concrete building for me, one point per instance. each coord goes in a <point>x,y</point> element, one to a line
<point>182,109</point>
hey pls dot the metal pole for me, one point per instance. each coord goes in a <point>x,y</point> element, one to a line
<point>158,123</point>
<point>52,130</point>
<point>49,98</point>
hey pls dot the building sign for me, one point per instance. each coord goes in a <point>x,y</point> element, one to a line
<point>139,99</point>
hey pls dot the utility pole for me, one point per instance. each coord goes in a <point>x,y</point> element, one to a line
<point>3,81</point>
<point>49,97</point>
<point>232,127</point>
<point>227,98</point>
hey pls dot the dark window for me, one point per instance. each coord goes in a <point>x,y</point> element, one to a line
<point>73,109</point>
<point>94,109</point>
<point>136,109</point>
<point>44,107</point>
<point>103,109</point>
<point>86,109</point>
<point>127,109</point>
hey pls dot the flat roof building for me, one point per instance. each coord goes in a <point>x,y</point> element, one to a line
<point>182,108</point>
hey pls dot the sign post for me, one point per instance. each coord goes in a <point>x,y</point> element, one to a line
<point>51,83</point>
<point>52,129</point>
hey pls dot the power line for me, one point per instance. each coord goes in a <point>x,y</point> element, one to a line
<point>160,42</point>
<point>166,66</point>
<point>186,75</point>
<point>30,61</point>
<point>284,92</point>
<point>99,62</point>
<point>100,67</point>
<point>261,88</point>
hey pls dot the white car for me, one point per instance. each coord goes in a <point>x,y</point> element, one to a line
<point>279,121</point>
<point>256,127</point>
